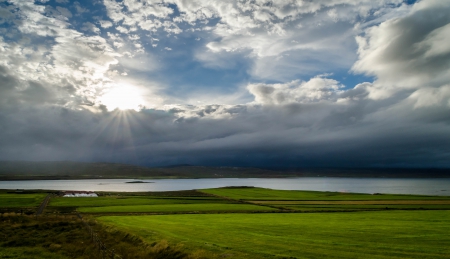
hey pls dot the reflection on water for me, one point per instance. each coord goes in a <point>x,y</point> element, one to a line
<point>359,185</point>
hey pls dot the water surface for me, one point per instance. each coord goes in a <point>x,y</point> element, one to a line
<point>358,185</point>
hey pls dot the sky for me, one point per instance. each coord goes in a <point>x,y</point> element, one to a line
<point>281,83</point>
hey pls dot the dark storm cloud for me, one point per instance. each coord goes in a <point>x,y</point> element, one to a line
<point>285,135</point>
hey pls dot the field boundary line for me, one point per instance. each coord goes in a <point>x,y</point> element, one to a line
<point>250,203</point>
<point>43,205</point>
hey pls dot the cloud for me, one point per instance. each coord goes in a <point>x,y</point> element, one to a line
<point>61,61</point>
<point>407,52</point>
<point>353,133</point>
<point>145,15</point>
<point>87,26</point>
<point>52,79</point>
<point>315,89</point>
<point>106,24</point>
<point>285,36</point>
<point>278,37</point>
<point>64,11</point>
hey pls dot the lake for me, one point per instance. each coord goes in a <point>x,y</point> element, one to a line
<point>440,186</point>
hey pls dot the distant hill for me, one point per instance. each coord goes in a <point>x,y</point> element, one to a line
<point>21,170</point>
<point>69,170</point>
<point>17,170</point>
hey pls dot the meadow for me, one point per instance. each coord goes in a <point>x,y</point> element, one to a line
<point>261,194</point>
<point>176,208</point>
<point>28,237</point>
<point>173,202</point>
<point>246,199</point>
<point>231,223</point>
<point>128,201</point>
<point>65,237</point>
<point>381,234</point>
<point>14,200</point>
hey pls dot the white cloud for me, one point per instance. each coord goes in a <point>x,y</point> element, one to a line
<point>431,96</point>
<point>106,24</point>
<point>148,16</point>
<point>70,67</point>
<point>312,36</point>
<point>122,29</point>
<point>407,52</point>
<point>436,42</point>
<point>314,90</point>
<point>87,26</point>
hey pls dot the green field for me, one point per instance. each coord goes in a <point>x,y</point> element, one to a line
<point>65,236</point>
<point>12,200</point>
<point>391,234</point>
<point>231,223</point>
<point>127,201</point>
<point>261,194</point>
<point>364,207</point>
<point>330,201</point>
<point>226,200</point>
<point>154,204</point>
<point>174,208</point>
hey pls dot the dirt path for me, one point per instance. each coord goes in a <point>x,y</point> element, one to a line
<point>43,205</point>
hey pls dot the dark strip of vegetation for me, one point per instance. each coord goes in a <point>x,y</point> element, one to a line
<point>65,236</point>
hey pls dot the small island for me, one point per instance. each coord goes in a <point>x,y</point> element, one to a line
<point>138,182</point>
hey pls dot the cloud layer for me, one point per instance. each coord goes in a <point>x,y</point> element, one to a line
<point>284,105</point>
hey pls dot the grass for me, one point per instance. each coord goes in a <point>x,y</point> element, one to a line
<point>153,204</point>
<point>60,237</point>
<point>357,205</point>
<point>27,237</point>
<point>12,200</point>
<point>224,222</point>
<point>28,253</point>
<point>126,201</point>
<point>261,194</point>
<point>364,207</point>
<point>174,208</point>
<point>381,234</point>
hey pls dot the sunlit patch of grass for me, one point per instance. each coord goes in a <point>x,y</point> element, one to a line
<point>169,208</point>
<point>262,194</point>
<point>12,200</point>
<point>380,234</point>
<point>126,201</point>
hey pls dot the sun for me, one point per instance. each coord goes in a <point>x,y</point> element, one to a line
<point>122,97</point>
